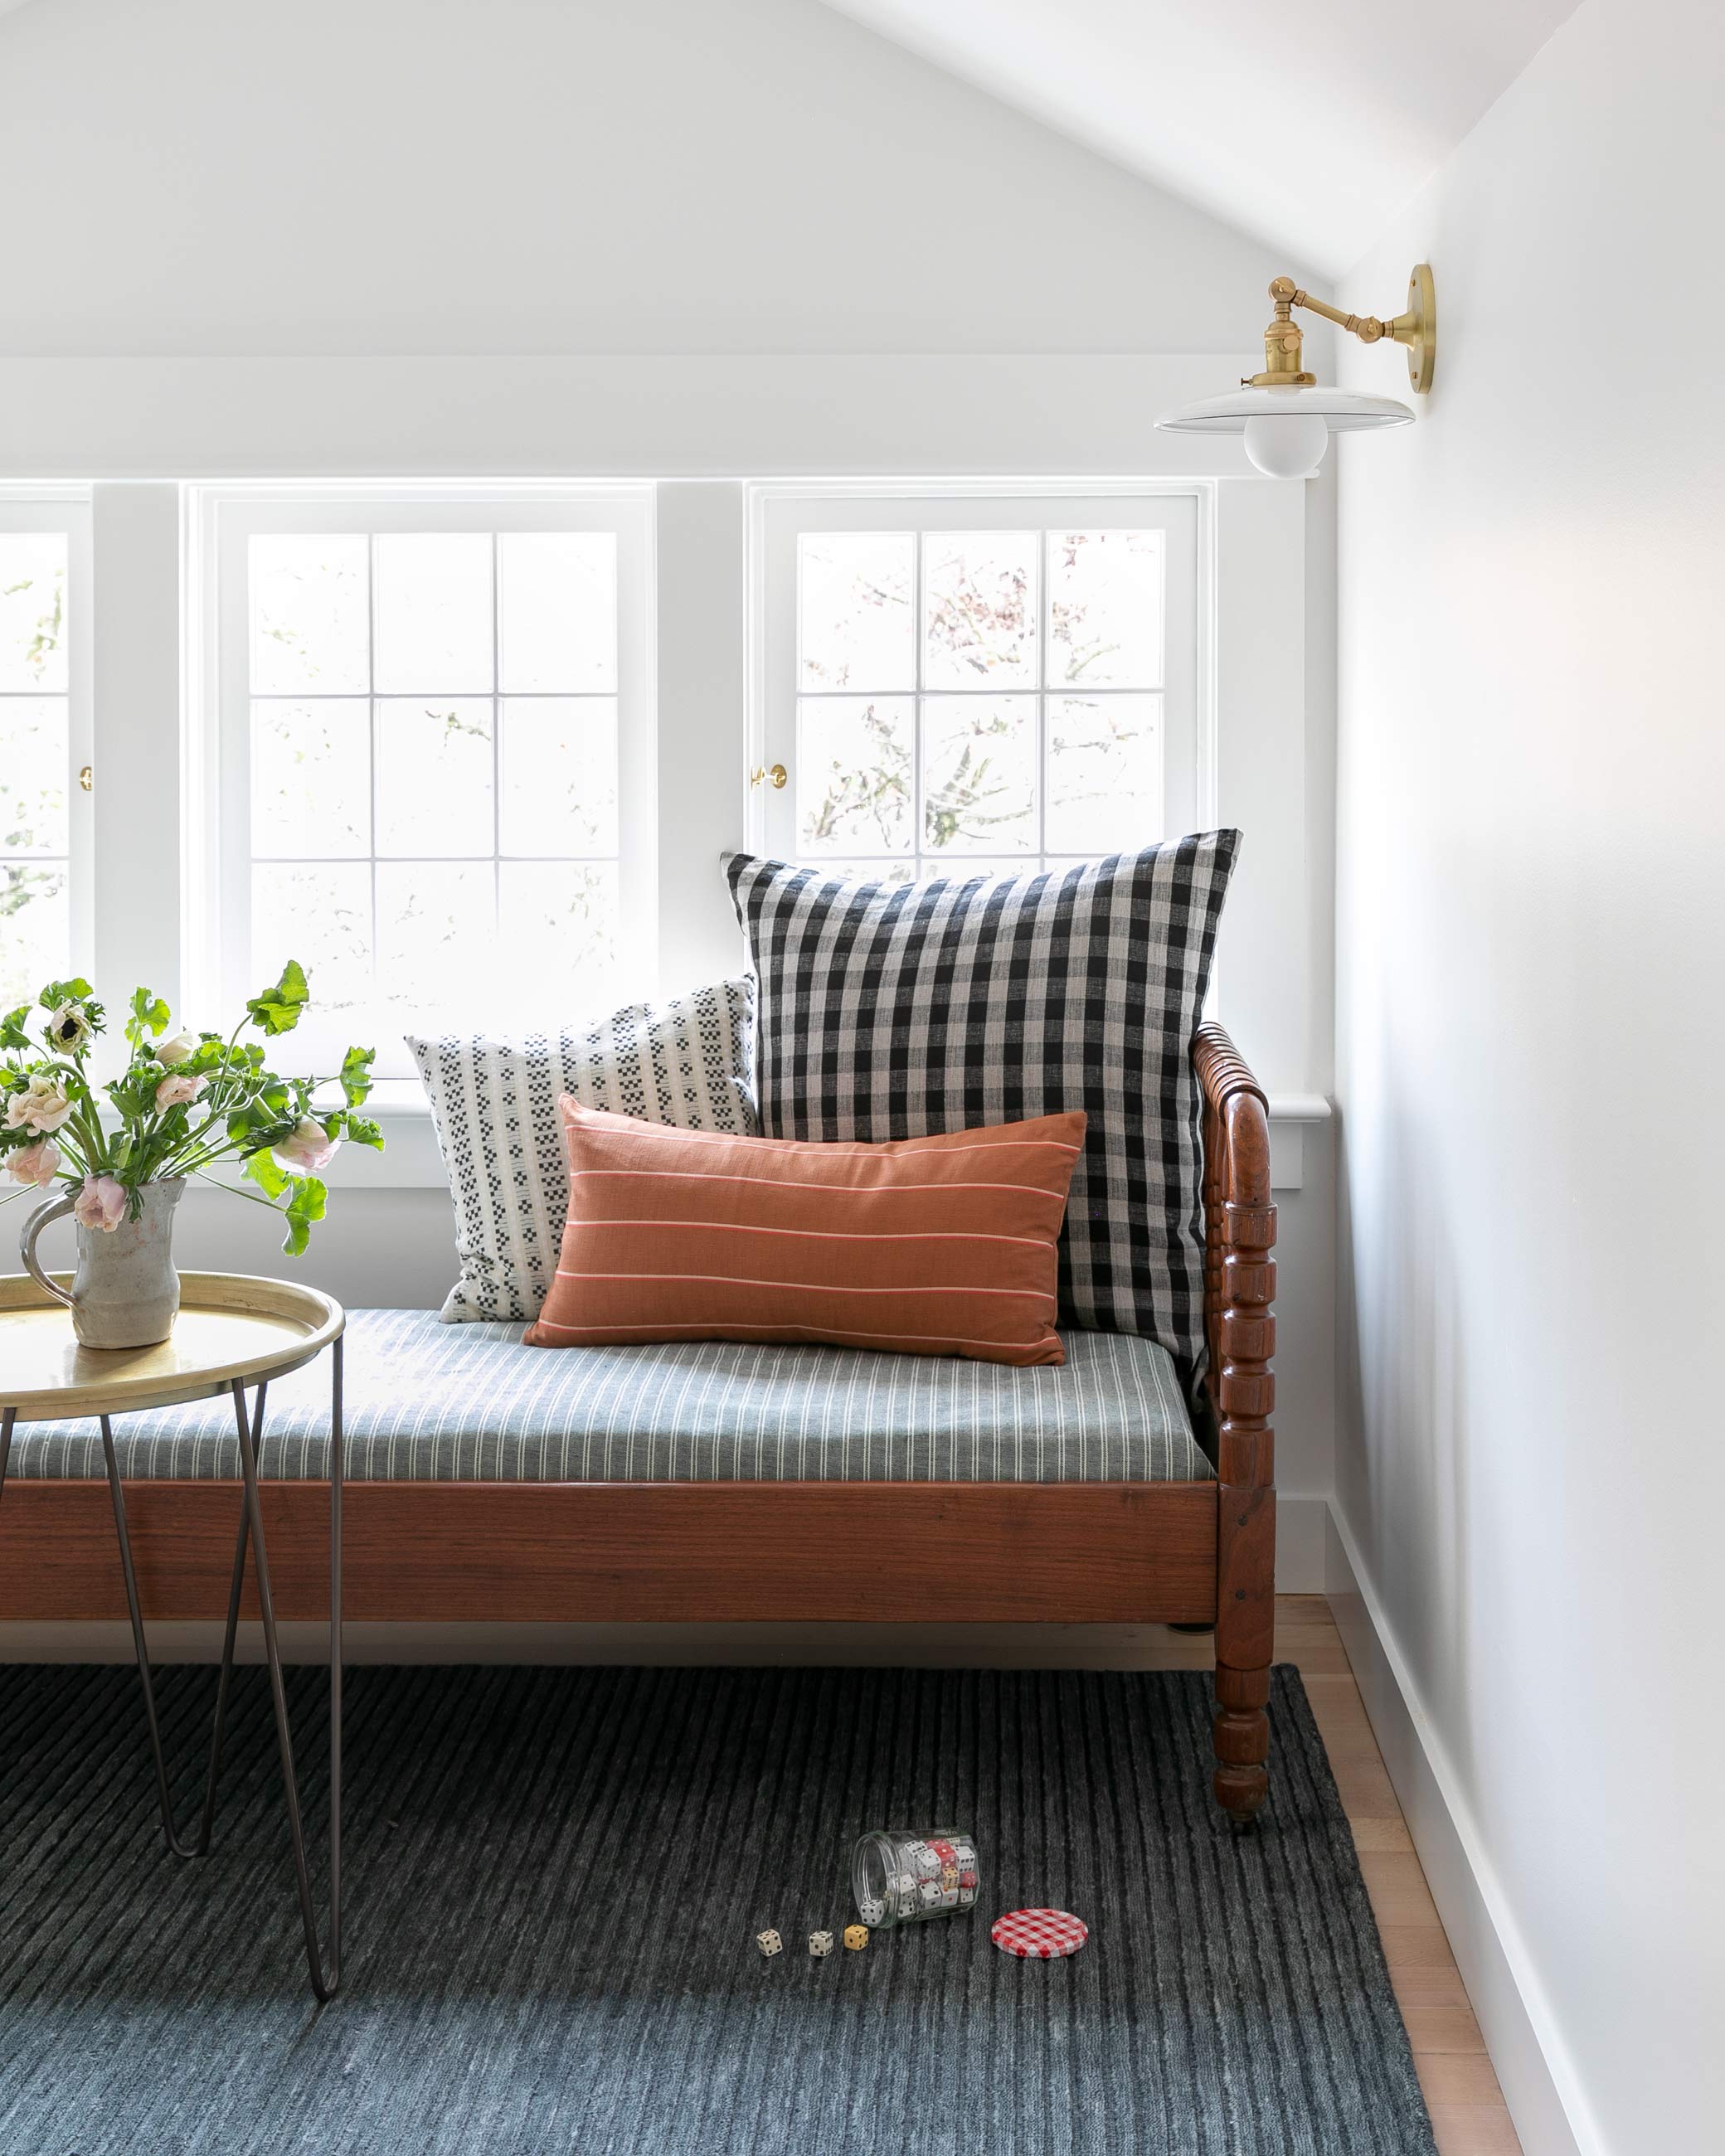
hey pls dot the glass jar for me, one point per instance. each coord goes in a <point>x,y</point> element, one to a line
<point>902,1874</point>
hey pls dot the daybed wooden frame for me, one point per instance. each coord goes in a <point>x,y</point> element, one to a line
<point>1194,1553</point>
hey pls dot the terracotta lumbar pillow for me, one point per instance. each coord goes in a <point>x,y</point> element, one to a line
<point>927,1246</point>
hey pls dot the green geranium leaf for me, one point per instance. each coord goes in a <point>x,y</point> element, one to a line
<point>12,1028</point>
<point>278,1009</point>
<point>306,1205</point>
<point>362,1132</point>
<point>149,1015</point>
<point>65,992</point>
<point>356,1075</point>
<point>266,1171</point>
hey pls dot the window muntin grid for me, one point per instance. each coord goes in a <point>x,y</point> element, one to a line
<point>431,734</point>
<point>978,702</point>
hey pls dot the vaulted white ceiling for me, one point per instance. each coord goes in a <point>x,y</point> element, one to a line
<point>1306,122</point>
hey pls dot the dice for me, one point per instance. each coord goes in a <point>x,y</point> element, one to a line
<point>820,1943</point>
<point>856,1936</point>
<point>769,1942</point>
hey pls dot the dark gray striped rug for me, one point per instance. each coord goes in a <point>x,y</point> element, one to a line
<point>553,1881</point>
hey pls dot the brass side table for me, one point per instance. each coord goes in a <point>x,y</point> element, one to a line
<point>233,1331</point>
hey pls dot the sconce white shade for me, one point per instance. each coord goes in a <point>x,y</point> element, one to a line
<point>1286,430</point>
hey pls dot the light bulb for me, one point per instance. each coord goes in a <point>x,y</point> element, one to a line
<point>1287,444</point>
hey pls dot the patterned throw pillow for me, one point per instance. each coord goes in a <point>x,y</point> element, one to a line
<point>890,1011</point>
<point>687,1061</point>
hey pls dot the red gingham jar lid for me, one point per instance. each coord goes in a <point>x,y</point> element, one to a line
<point>1040,1934</point>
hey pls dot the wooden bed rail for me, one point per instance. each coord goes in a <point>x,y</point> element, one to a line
<point>1239,1290</point>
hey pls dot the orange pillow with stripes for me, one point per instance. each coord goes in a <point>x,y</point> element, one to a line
<point>926,1246</point>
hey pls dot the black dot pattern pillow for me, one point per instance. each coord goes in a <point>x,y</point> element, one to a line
<point>890,1011</point>
<point>688,1061</point>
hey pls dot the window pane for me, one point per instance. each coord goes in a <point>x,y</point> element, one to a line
<point>321,915</point>
<point>560,775</point>
<point>979,609</point>
<point>433,611</point>
<point>557,934</point>
<point>35,929</point>
<point>309,631</point>
<point>1104,773</point>
<point>33,610</point>
<point>1105,609</point>
<point>978,773</point>
<point>311,778</point>
<point>855,625</point>
<point>435,777</point>
<point>557,599</point>
<point>437,936</point>
<point>853,773</point>
<point>33,775</point>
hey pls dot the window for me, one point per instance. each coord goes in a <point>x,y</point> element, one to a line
<point>983,684</point>
<point>44,740</point>
<point>435,759</point>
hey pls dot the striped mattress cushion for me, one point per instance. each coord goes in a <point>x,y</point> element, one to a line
<point>428,1402</point>
<point>942,1245</point>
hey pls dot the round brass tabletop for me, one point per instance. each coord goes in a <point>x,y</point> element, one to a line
<point>230,1324</point>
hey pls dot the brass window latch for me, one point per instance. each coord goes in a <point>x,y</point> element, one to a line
<point>776,773</point>
<point>86,778</point>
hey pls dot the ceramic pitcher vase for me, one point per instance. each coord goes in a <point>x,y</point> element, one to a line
<point>125,1293</point>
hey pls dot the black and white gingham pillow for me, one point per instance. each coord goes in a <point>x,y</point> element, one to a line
<point>688,1061</point>
<point>892,1011</point>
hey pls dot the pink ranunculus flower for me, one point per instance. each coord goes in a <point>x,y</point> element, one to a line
<point>44,1105</point>
<point>307,1147</point>
<point>39,1163</point>
<point>102,1203</point>
<point>175,1049</point>
<point>178,1087</point>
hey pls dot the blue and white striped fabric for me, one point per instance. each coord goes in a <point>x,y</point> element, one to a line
<point>427,1402</point>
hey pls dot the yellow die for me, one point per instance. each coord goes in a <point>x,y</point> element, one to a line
<point>856,1936</point>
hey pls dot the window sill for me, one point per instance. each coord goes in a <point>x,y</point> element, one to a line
<point>410,1160</point>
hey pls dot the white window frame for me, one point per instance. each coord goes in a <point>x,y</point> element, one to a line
<point>1186,513</point>
<point>218,737</point>
<point>56,508</point>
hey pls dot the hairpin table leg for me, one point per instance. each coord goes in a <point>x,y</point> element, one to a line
<point>251,1526</point>
<point>324,1982</point>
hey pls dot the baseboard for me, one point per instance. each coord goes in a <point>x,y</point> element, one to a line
<point>1537,2075</point>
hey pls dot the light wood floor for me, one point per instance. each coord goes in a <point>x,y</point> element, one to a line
<point>1468,2112</point>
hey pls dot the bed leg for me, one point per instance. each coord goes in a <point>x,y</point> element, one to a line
<point>1245,1513</point>
<point>1245,1637</point>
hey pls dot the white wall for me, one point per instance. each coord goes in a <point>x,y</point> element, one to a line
<point>565,176</point>
<point>1532,840</point>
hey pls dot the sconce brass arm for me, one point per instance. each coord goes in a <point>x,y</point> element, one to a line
<point>1416,329</point>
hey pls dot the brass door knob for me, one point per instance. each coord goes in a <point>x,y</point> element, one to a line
<point>774,771</point>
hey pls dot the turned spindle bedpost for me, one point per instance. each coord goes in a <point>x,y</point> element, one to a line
<point>1239,1287</point>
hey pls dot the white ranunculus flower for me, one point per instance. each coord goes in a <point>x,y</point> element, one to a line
<point>175,1049</point>
<point>69,1028</point>
<point>43,1105</point>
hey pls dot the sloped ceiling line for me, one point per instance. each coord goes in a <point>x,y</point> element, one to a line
<point>1307,126</point>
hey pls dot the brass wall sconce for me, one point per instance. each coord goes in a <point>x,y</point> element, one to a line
<point>1286,417</point>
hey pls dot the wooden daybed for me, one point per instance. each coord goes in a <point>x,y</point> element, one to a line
<point>1192,1552</point>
